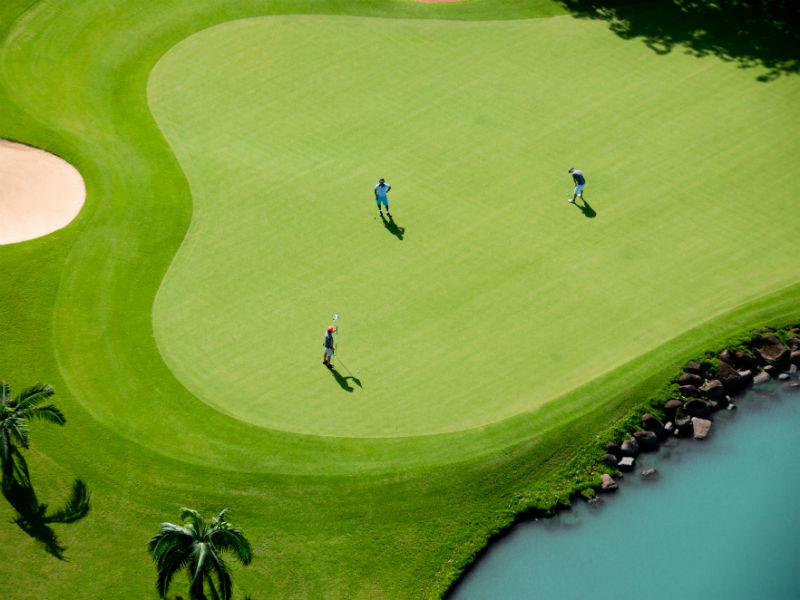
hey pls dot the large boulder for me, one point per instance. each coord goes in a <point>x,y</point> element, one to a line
<point>626,463</point>
<point>683,423</point>
<point>761,378</point>
<point>729,377</point>
<point>630,447</point>
<point>690,379</point>
<point>744,360</point>
<point>671,407</point>
<point>771,351</point>
<point>608,484</point>
<point>647,440</point>
<point>693,367</point>
<point>701,428</point>
<point>688,391</point>
<point>609,460</point>
<point>612,448</point>
<point>726,355</point>
<point>713,388</point>
<point>697,407</point>
<point>746,377</point>
<point>652,423</point>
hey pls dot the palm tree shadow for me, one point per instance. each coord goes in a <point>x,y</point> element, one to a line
<point>34,519</point>
<point>342,380</point>
<point>393,228</point>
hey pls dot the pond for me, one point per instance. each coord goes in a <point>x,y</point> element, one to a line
<point>720,521</point>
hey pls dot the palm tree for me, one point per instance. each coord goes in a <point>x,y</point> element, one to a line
<point>195,546</point>
<point>15,413</point>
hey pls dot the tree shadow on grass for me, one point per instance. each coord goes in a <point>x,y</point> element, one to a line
<point>753,33</point>
<point>35,520</point>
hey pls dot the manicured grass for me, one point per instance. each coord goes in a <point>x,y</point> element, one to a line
<point>653,279</point>
<point>500,295</point>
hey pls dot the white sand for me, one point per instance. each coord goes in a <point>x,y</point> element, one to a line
<point>39,192</point>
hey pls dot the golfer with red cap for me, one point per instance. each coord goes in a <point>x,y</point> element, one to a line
<point>328,344</point>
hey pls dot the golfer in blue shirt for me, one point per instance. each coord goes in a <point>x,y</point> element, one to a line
<point>381,191</point>
<point>580,182</point>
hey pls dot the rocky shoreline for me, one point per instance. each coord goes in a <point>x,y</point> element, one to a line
<point>704,388</point>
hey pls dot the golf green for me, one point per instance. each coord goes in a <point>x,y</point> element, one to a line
<point>492,295</point>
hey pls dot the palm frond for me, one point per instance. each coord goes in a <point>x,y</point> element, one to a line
<point>213,590</point>
<point>171,549</point>
<point>48,413</point>
<point>33,395</point>
<point>223,578</point>
<point>193,520</point>
<point>5,393</point>
<point>189,514</point>
<point>17,431</point>
<point>201,554</point>
<point>234,540</point>
<point>168,536</point>
<point>172,564</point>
<point>220,518</point>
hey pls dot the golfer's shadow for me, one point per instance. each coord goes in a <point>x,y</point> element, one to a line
<point>342,380</point>
<point>393,228</point>
<point>587,210</point>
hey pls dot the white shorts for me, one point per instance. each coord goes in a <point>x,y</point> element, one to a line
<point>329,351</point>
<point>579,188</point>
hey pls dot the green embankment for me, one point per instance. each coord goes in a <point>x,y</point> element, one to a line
<point>252,151</point>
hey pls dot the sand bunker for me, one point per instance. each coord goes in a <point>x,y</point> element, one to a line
<point>39,192</point>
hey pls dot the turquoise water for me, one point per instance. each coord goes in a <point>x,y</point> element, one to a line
<point>721,521</point>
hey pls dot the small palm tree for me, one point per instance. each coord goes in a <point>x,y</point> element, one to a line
<point>15,413</point>
<point>195,546</point>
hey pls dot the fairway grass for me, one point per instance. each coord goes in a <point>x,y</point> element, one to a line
<point>229,158</point>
